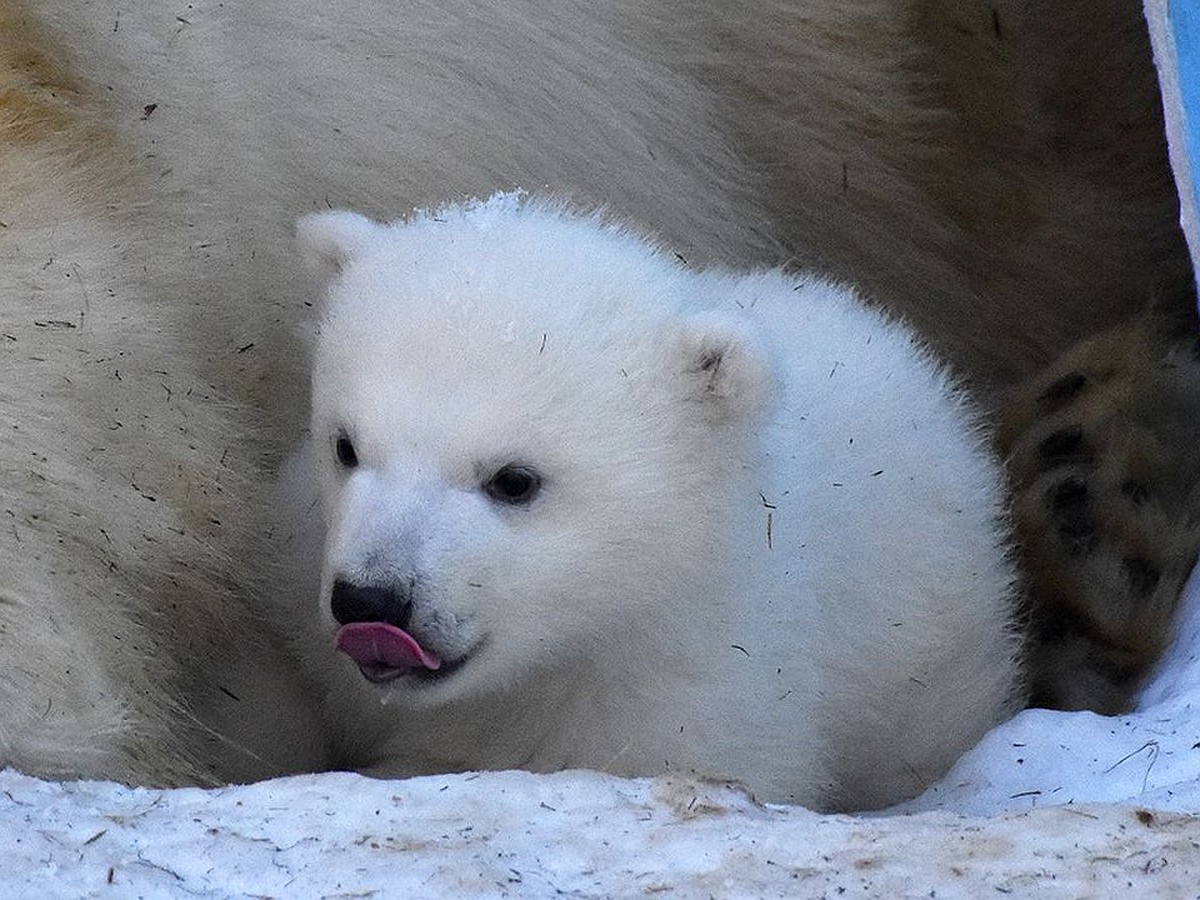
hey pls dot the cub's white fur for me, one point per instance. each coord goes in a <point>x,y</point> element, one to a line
<point>768,541</point>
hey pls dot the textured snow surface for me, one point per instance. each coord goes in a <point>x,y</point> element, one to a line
<point>1061,804</point>
<point>572,834</point>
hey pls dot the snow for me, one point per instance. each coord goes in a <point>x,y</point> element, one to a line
<point>574,834</point>
<point>1061,804</point>
<point>1151,756</point>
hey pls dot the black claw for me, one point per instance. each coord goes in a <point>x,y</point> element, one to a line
<point>1064,446</point>
<point>1063,390</point>
<point>1069,504</point>
<point>1069,498</point>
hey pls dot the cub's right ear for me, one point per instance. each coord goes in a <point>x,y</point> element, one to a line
<point>329,241</point>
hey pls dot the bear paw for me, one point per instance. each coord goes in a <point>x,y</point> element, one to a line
<point>1103,452</point>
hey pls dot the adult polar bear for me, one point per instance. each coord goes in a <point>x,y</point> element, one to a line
<point>153,161</point>
<point>588,509</point>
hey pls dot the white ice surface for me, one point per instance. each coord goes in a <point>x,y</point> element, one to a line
<point>1077,805</point>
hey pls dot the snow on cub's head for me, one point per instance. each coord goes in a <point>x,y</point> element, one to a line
<point>527,422</point>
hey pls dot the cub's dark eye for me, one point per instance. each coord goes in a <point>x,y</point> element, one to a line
<point>343,448</point>
<point>515,485</point>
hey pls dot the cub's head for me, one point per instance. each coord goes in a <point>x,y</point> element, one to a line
<point>526,423</point>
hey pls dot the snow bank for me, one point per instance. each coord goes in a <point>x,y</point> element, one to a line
<point>573,834</point>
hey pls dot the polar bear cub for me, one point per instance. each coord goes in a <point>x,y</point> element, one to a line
<point>585,507</point>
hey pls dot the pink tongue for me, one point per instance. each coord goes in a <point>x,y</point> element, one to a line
<point>381,649</point>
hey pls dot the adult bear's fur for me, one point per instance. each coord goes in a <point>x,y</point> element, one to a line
<point>1002,186</point>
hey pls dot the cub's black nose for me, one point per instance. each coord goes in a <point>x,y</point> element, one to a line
<point>366,603</point>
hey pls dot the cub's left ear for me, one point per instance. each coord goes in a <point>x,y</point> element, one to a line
<point>721,368</point>
<point>329,241</point>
